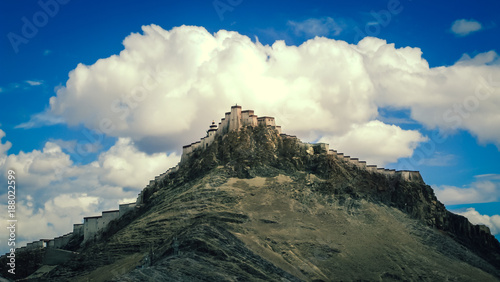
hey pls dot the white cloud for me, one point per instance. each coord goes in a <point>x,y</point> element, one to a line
<point>487,58</point>
<point>167,86</point>
<point>56,193</point>
<point>493,222</point>
<point>125,166</point>
<point>465,27</point>
<point>174,91</point>
<point>461,96</point>
<point>34,82</point>
<point>5,146</point>
<point>490,176</point>
<point>41,119</point>
<point>122,166</point>
<point>377,142</point>
<point>316,27</point>
<point>56,216</point>
<point>35,169</point>
<point>483,190</point>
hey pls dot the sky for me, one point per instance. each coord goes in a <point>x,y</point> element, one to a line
<point>98,97</point>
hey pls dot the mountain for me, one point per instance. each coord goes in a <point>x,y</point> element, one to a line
<point>247,203</point>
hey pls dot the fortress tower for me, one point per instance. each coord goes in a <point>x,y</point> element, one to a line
<point>233,120</point>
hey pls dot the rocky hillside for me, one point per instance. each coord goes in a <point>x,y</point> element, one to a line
<point>257,206</point>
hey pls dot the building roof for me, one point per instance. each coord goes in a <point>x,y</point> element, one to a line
<point>110,211</point>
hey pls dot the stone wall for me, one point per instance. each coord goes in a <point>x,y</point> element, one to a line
<point>61,241</point>
<point>407,175</point>
<point>106,218</point>
<point>38,244</point>
<point>35,245</point>
<point>248,118</point>
<point>45,243</point>
<point>90,227</point>
<point>124,208</point>
<point>78,229</point>
<point>410,175</point>
<point>94,224</point>
<point>266,121</point>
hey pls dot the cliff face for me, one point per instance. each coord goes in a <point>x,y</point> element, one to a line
<point>256,205</point>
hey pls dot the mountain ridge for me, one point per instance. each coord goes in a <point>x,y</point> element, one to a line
<point>240,155</point>
<point>246,204</point>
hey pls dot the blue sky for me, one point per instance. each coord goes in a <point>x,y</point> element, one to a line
<point>422,92</point>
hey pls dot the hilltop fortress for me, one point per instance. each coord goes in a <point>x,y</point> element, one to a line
<point>236,119</point>
<point>233,120</point>
<point>93,226</point>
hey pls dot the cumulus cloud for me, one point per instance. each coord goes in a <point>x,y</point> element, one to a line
<point>122,166</point>
<point>316,27</point>
<point>483,190</point>
<point>493,222</point>
<point>387,143</point>
<point>171,92</point>
<point>55,218</point>
<point>56,193</point>
<point>463,96</point>
<point>125,166</point>
<point>36,168</point>
<point>166,86</point>
<point>465,27</point>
